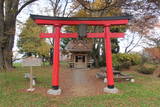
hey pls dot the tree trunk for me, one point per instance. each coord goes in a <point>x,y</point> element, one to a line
<point>7,32</point>
<point>96,52</point>
<point>1,60</point>
<point>8,13</point>
<point>5,59</point>
<point>6,52</point>
<point>1,35</point>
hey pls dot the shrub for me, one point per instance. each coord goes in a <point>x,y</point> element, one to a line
<point>115,61</point>
<point>126,64</point>
<point>136,59</point>
<point>146,68</point>
<point>124,60</point>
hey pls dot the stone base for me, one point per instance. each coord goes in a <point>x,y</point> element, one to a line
<point>54,92</point>
<point>110,90</point>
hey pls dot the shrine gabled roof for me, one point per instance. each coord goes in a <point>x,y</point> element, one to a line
<point>79,46</point>
<point>34,17</point>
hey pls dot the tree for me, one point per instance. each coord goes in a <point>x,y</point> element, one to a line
<point>157,2</point>
<point>9,9</point>
<point>152,39</point>
<point>145,12</point>
<point>101,5</point>
<point>29,42</point>
<point>152,46</point>
<point>145,15</point>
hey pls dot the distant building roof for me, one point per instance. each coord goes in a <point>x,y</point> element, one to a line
<point>79,46</point>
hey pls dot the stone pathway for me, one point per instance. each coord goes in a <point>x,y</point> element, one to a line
<point>81,82</point>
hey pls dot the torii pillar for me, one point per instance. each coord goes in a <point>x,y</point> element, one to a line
<point>55,72</point>
<point>109,73</point>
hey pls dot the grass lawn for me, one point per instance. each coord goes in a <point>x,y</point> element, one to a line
<point>145,92</point>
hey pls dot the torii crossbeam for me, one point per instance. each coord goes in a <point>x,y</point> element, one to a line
<point>58,22</point>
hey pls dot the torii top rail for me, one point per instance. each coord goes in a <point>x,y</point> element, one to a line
<point>58,22</point>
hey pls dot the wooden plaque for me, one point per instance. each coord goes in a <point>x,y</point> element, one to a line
<point>32,61</point>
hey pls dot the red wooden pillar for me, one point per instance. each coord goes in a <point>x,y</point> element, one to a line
<point>109,72</point>
<point>55,72</point>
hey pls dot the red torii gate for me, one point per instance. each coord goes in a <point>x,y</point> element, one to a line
<point>58,22</point>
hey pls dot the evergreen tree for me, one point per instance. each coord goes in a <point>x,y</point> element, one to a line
<point>30,43</point>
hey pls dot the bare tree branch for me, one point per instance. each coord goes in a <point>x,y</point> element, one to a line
<point>136,44</point>
<point>24,5</point>
<point>71,12</point>
<point>64,10</point>
<point>130,43</point>
<point>55,6</point>
<point>87,5</point>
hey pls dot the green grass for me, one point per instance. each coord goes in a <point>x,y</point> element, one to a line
<point>145,92</point>
<point>17,64</point>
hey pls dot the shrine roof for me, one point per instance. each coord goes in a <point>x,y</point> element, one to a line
<point>79,45</point>
<point>34,17</point>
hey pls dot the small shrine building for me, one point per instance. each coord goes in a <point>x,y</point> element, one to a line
<point>79,53</point>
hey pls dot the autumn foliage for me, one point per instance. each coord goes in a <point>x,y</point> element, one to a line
<point>153,52</point>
